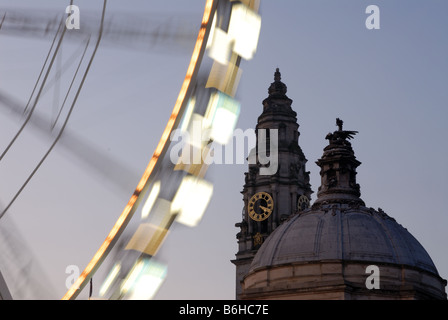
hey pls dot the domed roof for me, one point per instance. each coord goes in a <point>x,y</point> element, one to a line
<point>339,226</point>
<point>342,232</point>
<point>277,87</point>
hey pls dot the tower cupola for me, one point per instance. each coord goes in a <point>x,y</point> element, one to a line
<point>338,169</point>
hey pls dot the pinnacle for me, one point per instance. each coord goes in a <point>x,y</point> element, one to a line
<point>277,88</point>
<point>277,75</point>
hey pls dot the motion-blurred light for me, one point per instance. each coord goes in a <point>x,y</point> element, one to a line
<point>148,238</point>
<point>110,279</point>
<point>221,46</point>
<point>144,279</point>
<point>222,115</point>
<point>149,203</point>
<point>225,78</point>
<point>191,200</point>
<point>244,28</point>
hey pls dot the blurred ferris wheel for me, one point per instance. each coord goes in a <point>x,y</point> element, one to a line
<point>174,186</point>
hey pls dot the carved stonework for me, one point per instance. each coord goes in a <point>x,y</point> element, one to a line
<point>338,169</point>
<point>285,185</point>
<point>258,239</point>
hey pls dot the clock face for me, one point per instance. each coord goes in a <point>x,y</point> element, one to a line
<point>303,202</point>
<point>260,206</point>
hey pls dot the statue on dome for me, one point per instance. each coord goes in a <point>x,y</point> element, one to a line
<point>340,135</point>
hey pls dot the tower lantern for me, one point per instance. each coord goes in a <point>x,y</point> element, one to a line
<point>271,198</point>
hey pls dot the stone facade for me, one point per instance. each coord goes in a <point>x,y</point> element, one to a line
<point>340,280</point>
<point>285,186</point>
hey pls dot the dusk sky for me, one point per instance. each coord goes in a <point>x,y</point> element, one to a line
<point>389,84</point>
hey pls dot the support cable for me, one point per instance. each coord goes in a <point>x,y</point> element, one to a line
<point>37,98</point>
<point>49,150</point>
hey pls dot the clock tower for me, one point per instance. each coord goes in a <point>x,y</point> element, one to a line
<point>271,196</point>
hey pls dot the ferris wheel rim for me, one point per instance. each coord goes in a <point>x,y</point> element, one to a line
<point>142,186</point>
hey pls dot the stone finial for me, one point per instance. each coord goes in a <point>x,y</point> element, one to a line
<point>339,123</point>
<point>277,88</point>
<point>277,75</point>
<point>340,136</point>
<point>338,169</point>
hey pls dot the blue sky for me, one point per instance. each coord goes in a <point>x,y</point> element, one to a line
<point>388,84</point>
